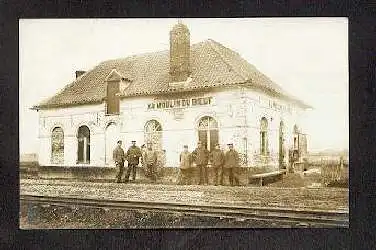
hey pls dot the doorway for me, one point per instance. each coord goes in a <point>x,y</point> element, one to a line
<point>83,150</point>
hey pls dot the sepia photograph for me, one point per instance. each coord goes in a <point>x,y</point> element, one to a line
<point>184,123</point>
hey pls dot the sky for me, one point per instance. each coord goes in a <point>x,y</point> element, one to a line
<point>308,57</point>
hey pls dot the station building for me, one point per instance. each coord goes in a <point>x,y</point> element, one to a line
<point>191,92</point>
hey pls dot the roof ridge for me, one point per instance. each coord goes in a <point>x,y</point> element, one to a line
<point>214,44</point>
<point>152,52</point>
<point>255,69</point>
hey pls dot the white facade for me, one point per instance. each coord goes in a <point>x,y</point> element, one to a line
<point>238,112</point>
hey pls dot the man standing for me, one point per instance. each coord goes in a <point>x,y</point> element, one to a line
<point>201,156</point>
<point>185,165</point>
<point>150,161</point>
<point>231,164</point>
<point>143,149</point>
<point>133,157</point>
<point>217,159</point>
<point>119,158</point>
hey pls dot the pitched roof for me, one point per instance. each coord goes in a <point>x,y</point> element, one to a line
<point>212,66</point>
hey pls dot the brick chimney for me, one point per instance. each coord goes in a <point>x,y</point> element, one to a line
<point>79,73</point>
<point>179,53</point>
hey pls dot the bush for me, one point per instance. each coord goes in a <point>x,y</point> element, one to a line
<point>342,183</point>
<point>334,175</point>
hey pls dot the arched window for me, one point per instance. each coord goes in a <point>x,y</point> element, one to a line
<point>153,133</point>
<point>208,132</point>
<point>57,146</point>
<point>83,149</point>
<point>281,143</point>
<point>264,136</point>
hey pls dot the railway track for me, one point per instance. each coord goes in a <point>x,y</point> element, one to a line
<point>281,215</point>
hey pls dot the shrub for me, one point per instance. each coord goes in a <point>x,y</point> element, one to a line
<point>333,175</point>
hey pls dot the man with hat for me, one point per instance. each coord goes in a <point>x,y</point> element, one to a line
<point>217,158</point>
<point>119,158</point>
<point>231,164</point>
<point>133,157</point>
<point>201,157</point>
<point>185,165</point>
<point>150,161</point>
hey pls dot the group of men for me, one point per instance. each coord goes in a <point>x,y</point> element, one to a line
<point>148,158</point>
<point>224,164</point>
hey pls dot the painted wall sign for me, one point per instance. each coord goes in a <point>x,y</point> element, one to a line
<point>181,103</point>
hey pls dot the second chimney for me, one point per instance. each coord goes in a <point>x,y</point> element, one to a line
<point>79,73</point>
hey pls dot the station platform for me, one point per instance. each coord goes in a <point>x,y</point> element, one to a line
<point>329,199</point>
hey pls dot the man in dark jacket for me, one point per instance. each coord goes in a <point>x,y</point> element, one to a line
<point>231,164</point>
<point>119,158</point>
<point>217,158</point>
<point>133,157</point>
<point>201,157</point>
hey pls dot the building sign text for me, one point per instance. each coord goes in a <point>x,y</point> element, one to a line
<point>181,103</point>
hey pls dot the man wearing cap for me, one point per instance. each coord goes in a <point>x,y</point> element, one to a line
<point>150,161</point>
<point>217,159</point>
<point>201,157</point>
<point>185,165</point>
<point>231,164</point>
<point>133,157</point>
<point>119,158</point>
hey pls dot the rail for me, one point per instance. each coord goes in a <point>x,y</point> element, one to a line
<point>316,217</point>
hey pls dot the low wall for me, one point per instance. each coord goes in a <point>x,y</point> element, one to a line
<point>166,175</point>
<point>28,169</point>
<point>266,180</point>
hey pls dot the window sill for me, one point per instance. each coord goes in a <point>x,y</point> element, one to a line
<point>82,163</point>
<point>114,114</point>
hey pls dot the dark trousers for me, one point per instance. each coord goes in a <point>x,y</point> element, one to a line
<point>232,175</point>
<point>120,166</point>
<point>131,168</point>
<point>203,174</point>
<point>218,175</point>
<point>185,176</point>
<point>151,171</point>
